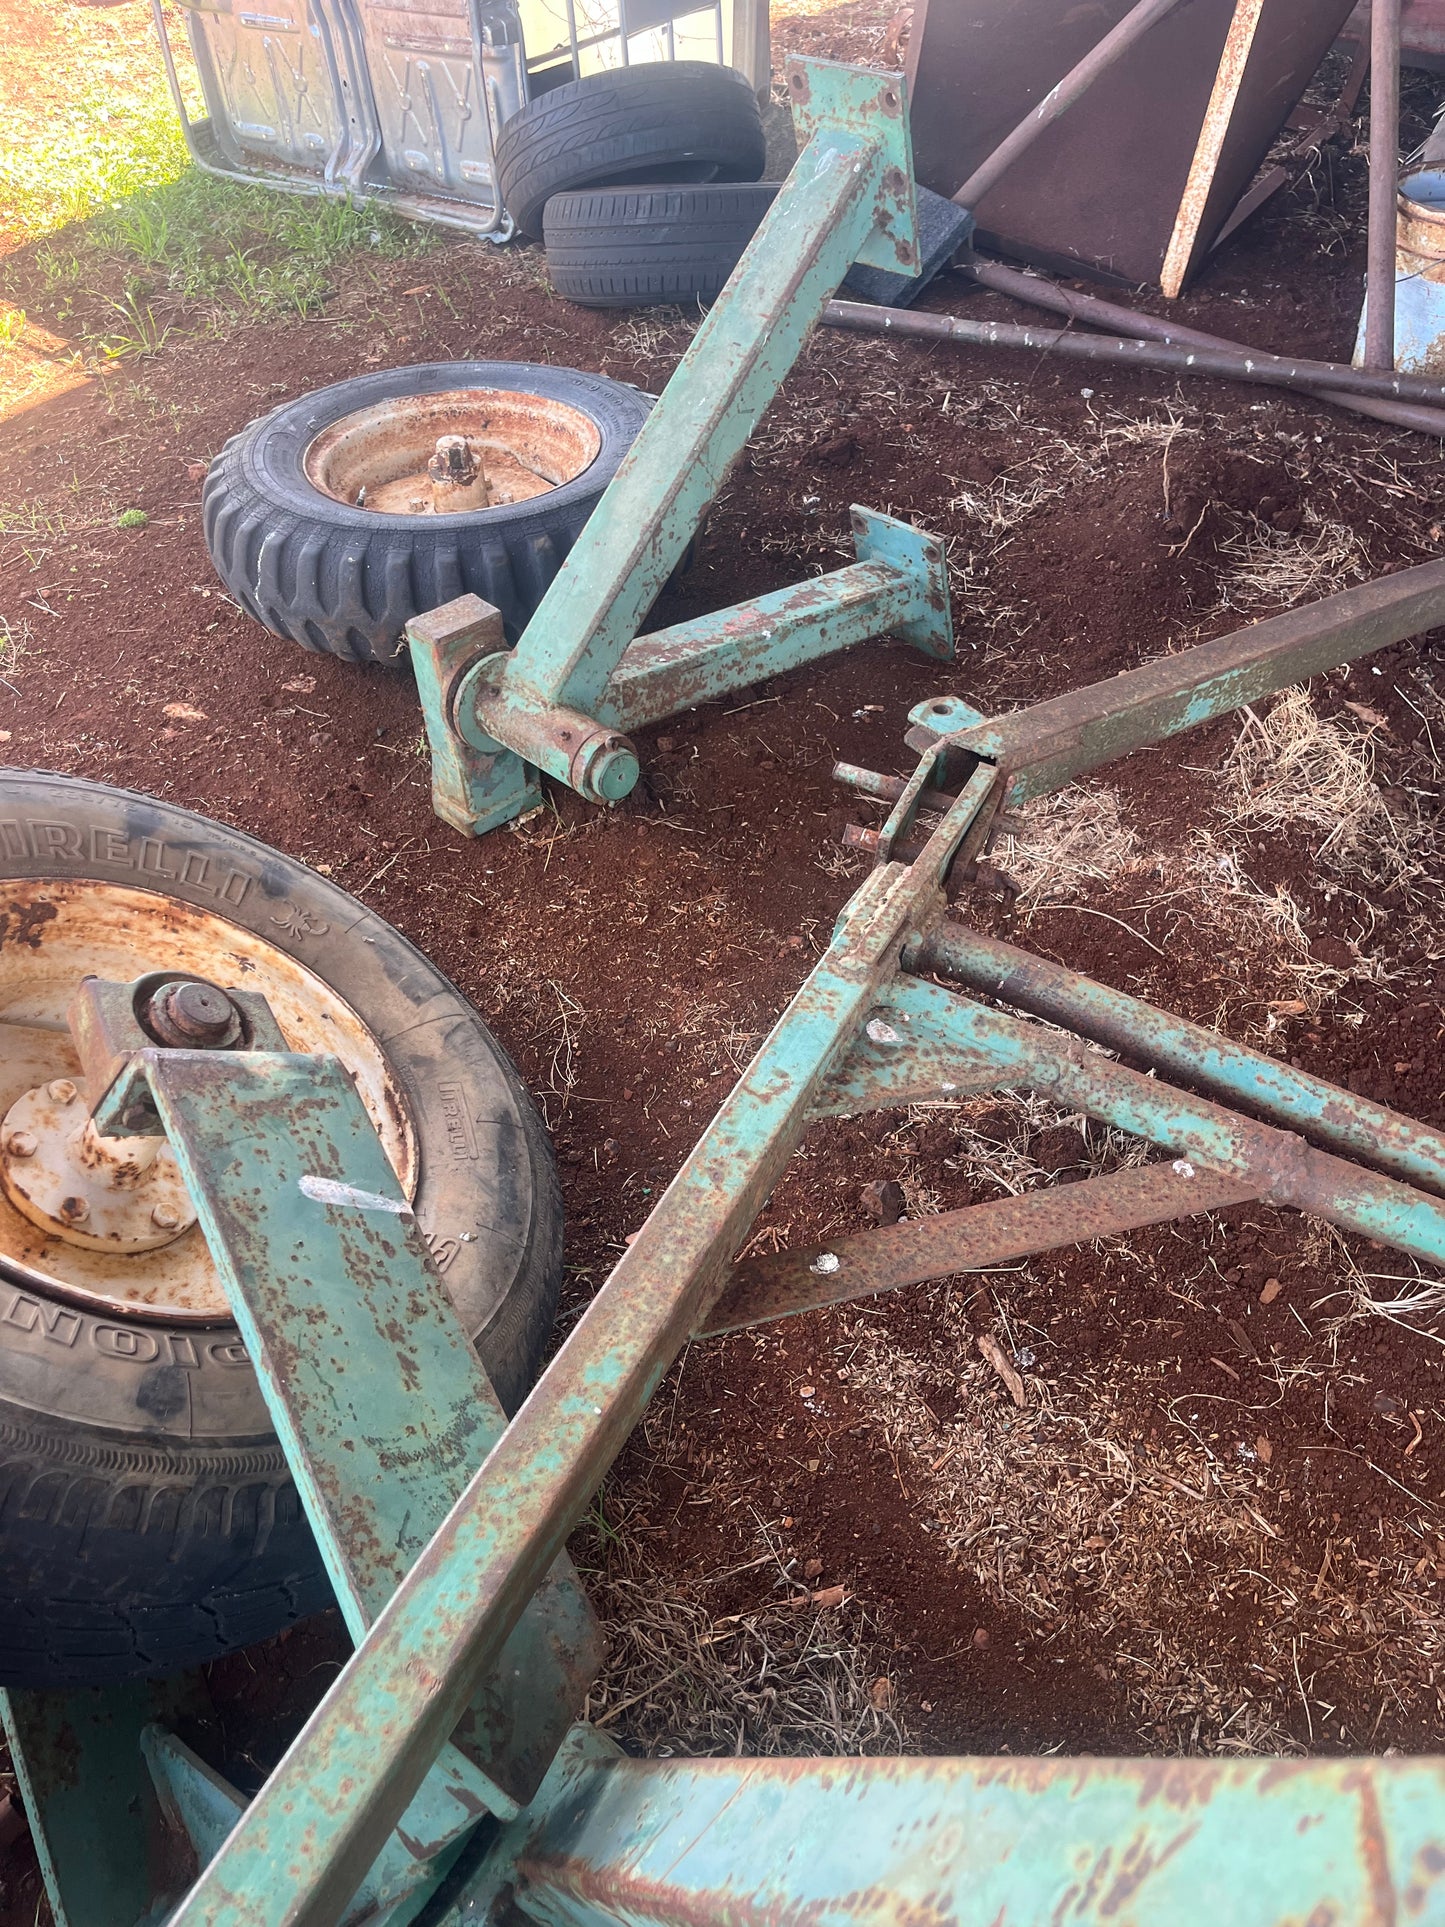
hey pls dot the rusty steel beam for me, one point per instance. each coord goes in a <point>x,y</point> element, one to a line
<point>975,1238</point>
<point>1384,183</point>
<point>1322,1113</point>
<point>1040,292</point>
<point>1053,742</point>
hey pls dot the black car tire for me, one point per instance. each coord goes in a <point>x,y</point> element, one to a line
<point>614,247</point>
<point>345,580</point>
<point>148,1519</point>
<point>669,120</point>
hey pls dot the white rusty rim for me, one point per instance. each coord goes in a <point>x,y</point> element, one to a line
<point>107,930</point>
<point>377,457</point>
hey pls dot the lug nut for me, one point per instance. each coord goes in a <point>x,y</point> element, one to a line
<point>21,1144</point>
<point>62,1090</point>
<point>165,1218</point>
<point>75,1210</point>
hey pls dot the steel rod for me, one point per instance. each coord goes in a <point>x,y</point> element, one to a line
<point>1384,180</point>
<point>1201,1058</point>
<point>1111,315</point>
<point>1061,97</point>
<point>1233,364</point>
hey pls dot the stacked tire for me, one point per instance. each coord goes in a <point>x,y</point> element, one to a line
<point>644,181</point>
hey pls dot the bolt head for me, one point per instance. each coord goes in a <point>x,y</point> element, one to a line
<point>75,1210</point>
<point>62,1090</point>
<point>165,1218</point>
<point>21,1144</point>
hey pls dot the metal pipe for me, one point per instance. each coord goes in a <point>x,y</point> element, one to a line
<point>1233,364</point>
<point>1384,182</point>
<point>1319,1112</point>
<point>1076,82</point>
<point>1043,293</point>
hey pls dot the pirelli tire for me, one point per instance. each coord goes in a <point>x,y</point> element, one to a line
<point>148,1520</point>
<point>345,580</point>
<point>636,247</point>
<point>667,120</point>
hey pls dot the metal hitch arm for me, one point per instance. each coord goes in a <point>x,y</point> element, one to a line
<point>580,677</point>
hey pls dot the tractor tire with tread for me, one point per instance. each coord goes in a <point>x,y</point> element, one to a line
<point>345,581</point>
<point>641,247</point>
<point>667,120</point>
<point>148,1517</point>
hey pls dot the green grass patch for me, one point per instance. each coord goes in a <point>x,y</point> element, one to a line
<point>111,142</point>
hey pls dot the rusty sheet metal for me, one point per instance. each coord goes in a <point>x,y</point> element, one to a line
<point>1422,31</point>
<point>1045,746</point>
<point>972,1239</point>
<point>1199,1058</point>
<point>377,457</point>
<point>1102,189</point>
<point>984,1842</point>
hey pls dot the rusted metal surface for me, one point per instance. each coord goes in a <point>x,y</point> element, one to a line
<point>1199,182</point>
<point>1048,745</point>
<point>381,457</point>
<point>1418,316</point>
<point>1422,31</point>
<point>71,930</point>
<point>1061,97</point>
<point>972,1239</point>
<point>1228,364</point>
<point>383,1721</point>
<point>1279,1164</point>
<point>373,1386</point>
<point>1110,315</point>
<point>1101,191</point>
<point>1199,1058</point>
<point>992,1842</point>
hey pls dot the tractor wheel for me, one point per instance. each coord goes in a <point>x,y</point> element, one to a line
<point>148,1520</point>
<point>338,517</point>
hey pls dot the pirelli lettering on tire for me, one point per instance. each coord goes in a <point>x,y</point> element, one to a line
<point>34,839</point>
<point>79,1333</point>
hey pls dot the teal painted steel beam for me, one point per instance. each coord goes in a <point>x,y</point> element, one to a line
<point>1285,1168</point>
<point>367,1748</point>
<point>378,1398</point>
<point>711,656</point>
<point>987,1843</point>
<point>1052,743</point>
<point>94,1818</point>
<point>1293,1099</point>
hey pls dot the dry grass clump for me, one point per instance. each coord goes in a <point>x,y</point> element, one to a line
<point>997,1138</point>
<point>1059,845</point>
<point>787,1677</point>
<point>1268,567</point>
<point>1292,768</point>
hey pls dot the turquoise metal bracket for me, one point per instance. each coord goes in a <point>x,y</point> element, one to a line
<point>580,676</point>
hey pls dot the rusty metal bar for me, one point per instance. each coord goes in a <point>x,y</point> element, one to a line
<point>1042,293</point>
<point>1285,1169</point>
<point>1228,78</point>
<point>1061,97</point>
<point>1200,1058</point>
<point>972,1239</point>
<point>1248,365</point>
<point>1384,183</point>
<point>1053,742</point>
<point>353,1769</point>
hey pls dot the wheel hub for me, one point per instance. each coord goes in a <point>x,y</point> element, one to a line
<point>102,1194</point>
